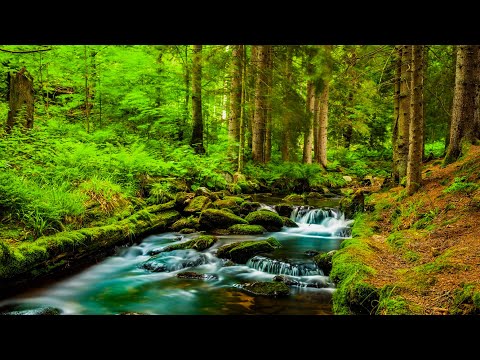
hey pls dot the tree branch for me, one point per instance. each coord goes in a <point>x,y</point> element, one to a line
<point>24,51</point>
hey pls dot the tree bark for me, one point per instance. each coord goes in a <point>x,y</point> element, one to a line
<point>415,153</point>
<point>404,112</point>
<point>268,109</point>
<point>235,99</point>
<point>241,149</point>
<point>259,119</point>
<point>396,112</point>
<point>21,100</point>
<point>308,137</point>
<point>197,132</point>
<point>462,125</point>
<point>323,125</point>
<point>286,142</point>
<point>476,118</point>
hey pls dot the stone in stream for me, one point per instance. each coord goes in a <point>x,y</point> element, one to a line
<point>199,243</point>
<point>287,222</point>
<point>219,219</point>
<point>268,219</point>
<point>187,231</point>
<point>352,204</point>
<point>197,276</point>
<point>312,252</point>
<point>42,310</point>
<point>241,251</point>
<point>197,204</point>
<point>182,223</point>
<point>242,229</point>
<point>315,283</point>
<point>248,206</point>
<point>286,280</point>
<point>283,209</point>
<point>265,288</point>
<point>174,260</point>
<point>294,198</point>
<point>324,261</point>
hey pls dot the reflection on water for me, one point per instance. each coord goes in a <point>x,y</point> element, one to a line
<point>124,283</point>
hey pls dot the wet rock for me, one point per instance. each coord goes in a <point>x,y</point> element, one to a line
<point>175,260</point>
<point>187,231</point>
<point>197,276</point>
<point>314,195</point>
<point>248,206</point>
<point>286,280</point>
<point>185,223</point>
<point>352,204</point>
<point>311,252</point>
<point>227,204</point>
<point>241,251</point>
<point>293,198</point>
<point>289,222</point>
<point>324,261</point>
<point>274,242</point>
<point>268,219</point>
<point>227,263</point>
<point>182,198</point>
<point>197,204</point>
<point>203,191</point>
<point>263,288</point>
<point>242,229</point>
<point>199,243</point>
<point>219,219</point>
<point>283,209</point>
<point>42,310</point>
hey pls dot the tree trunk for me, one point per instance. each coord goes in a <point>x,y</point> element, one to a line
<point>396,112</point>
<point>462,125</point>
<point>241,149</point>
<point>404,112</point>
<point>323,125</point>
<point>268,115</point>
<point>285,144</point>
<point>235,99</point>
<point>197,132</point>
<point>87,90</point>
<point>308,137</point>
<point>253,71</point>
<point>476,118</point>
<point>259,120</point>
<point>415,152</point>
<point>21,100</point>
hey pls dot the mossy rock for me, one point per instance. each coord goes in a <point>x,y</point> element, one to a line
<point>219,219</point>
<point>363,299</point>
<point>314,195</point>
<point>196,276</point>
<point>241,251</point>
<point>197,204</point>
<point>289,222</point>
<point>268,219</point>
<point>227,204</point>
<point>187,231</point>
<point>200,243</point>
<point>283,209</point>
<point>185,223</point>
<point>203,191</point>
<point>324,261</point>
<point>182,199</point>
<point>264,288</point>
<point>248,206</point>
<point>237,199</point>
<point>293,198</point>
<point>274,242</point>
<point>352,204</point>
<point>241,229</point>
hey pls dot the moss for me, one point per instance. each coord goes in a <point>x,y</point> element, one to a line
<point>240,252</point>
<point>289,222</point>
<point>200,243</point>
<point>220,219</point>
<point>187,231</point>
<point>392,304</point>
<point>284,209</point>
<point>352,204</point>
<point>267,288</point>
<point>466,301</point>
<point>182,223</point>
<point>324,261</point>
<point>411,256</point>
<point>227,204</point>
<point>236,199</point>
<point>248,207</point>
<point>242,229</point>
<point>396,240</point>
<point>268,219</point>
<point>274,242</point>
<point>294,198</point>
<point>198,204</point>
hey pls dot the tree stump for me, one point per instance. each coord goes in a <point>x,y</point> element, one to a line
<point>21,100</point>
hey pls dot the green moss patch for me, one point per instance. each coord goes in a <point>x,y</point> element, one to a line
<point>200,243</point>
<point>268,219</point>
<point>242,229</point>
<point>219,219</point>
<point>241,251</point>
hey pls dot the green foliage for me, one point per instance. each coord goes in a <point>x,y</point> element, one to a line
<point>462,186</point>
<point>466,301</point>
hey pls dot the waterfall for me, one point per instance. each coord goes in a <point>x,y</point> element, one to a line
<point>278,267</point>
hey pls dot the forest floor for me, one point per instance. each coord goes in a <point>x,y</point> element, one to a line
<point>426,247</point>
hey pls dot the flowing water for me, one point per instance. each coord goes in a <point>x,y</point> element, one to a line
<point>142,279</point>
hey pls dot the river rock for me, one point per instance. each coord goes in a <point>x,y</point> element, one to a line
<point>169,261</point>
<point>242,229</point>
<point>286,280</point>
<point>185,223</point>
<point>199,243</point>
<point>293,198</point>
<point>324,261</point>
<point>42,310</point>
<point>229,204</point>
<point>311,252</point>
<point>241,251</point>
<point>352,204</point>
<point>203,191</point>
<point>268,219</point>
<point>283,209</point>
<point>219,219</point>
<point>197,204</point>
<point>187,231</point>
<point>264,288</point>
<point>289,222</point>
<point>314,195</point>
<point>197,276</point>
<point>248,206</point>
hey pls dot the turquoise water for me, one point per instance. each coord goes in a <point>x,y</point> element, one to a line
<point>120,284</point>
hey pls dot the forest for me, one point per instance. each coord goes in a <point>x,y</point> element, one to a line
<point>240,179</point>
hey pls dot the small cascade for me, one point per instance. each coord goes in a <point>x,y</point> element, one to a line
<point>278,267</point>
<point>177,260</point>
<point>308,215</point>
<point>267,207</point>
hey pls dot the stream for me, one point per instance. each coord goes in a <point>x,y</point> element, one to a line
<point>120,283</point>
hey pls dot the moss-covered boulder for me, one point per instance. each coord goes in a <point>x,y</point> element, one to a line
<point>219,219</point>
<point>324,261</point>
<point>197,204</point>
<point>227,204</point>
<point>182,199</point>
<point>182,223</point>
<point>241,251</point>
<point>248,206</point>
<point>268,219</point>
<point>352,204</point>
<point>274,242</point>
<point>163,262</point>
<point>203,191</point>
<point>199,243</point>
<point>287,222</point>
<point>283,209</point>
<point>264,288</point>
<point>187,231</point>
<point>314,195</point>
<point>241,229</point>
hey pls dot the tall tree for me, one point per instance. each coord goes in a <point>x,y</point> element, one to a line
<point>415,152</point>
<point>241,148</point>
<point>463,113</point>
<point>20,99</point>
<point>322,109</point>
<point>235,99</point>
<point>268,108</point>
<point>396,111</point>
<point>285,144</point>
<point>309,107</point>
<point>404,112</point>
<point>197,132</point>
<point>261,94</point>
<point>476,118</point>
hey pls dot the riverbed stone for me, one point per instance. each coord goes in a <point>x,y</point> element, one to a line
<point>248,206</point>
<point>187,231</point>
<point>293,198</point>
<point>182,223</point>
<point>289,222</point>
<point>241,251</point>
<point>352,204</point>
<point>162,262</point>
<point>265,288</point>
<point>242,229</point>
<point>199,243</point>
<point>42,310</point>
<point>197,204</point>
<point>196,276</point>
<point>283,209</point>
<point>227,204</point>
<point>268,219</point>
<point>219,219</point>
<point>203,191</point>
<point>324,261</point>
